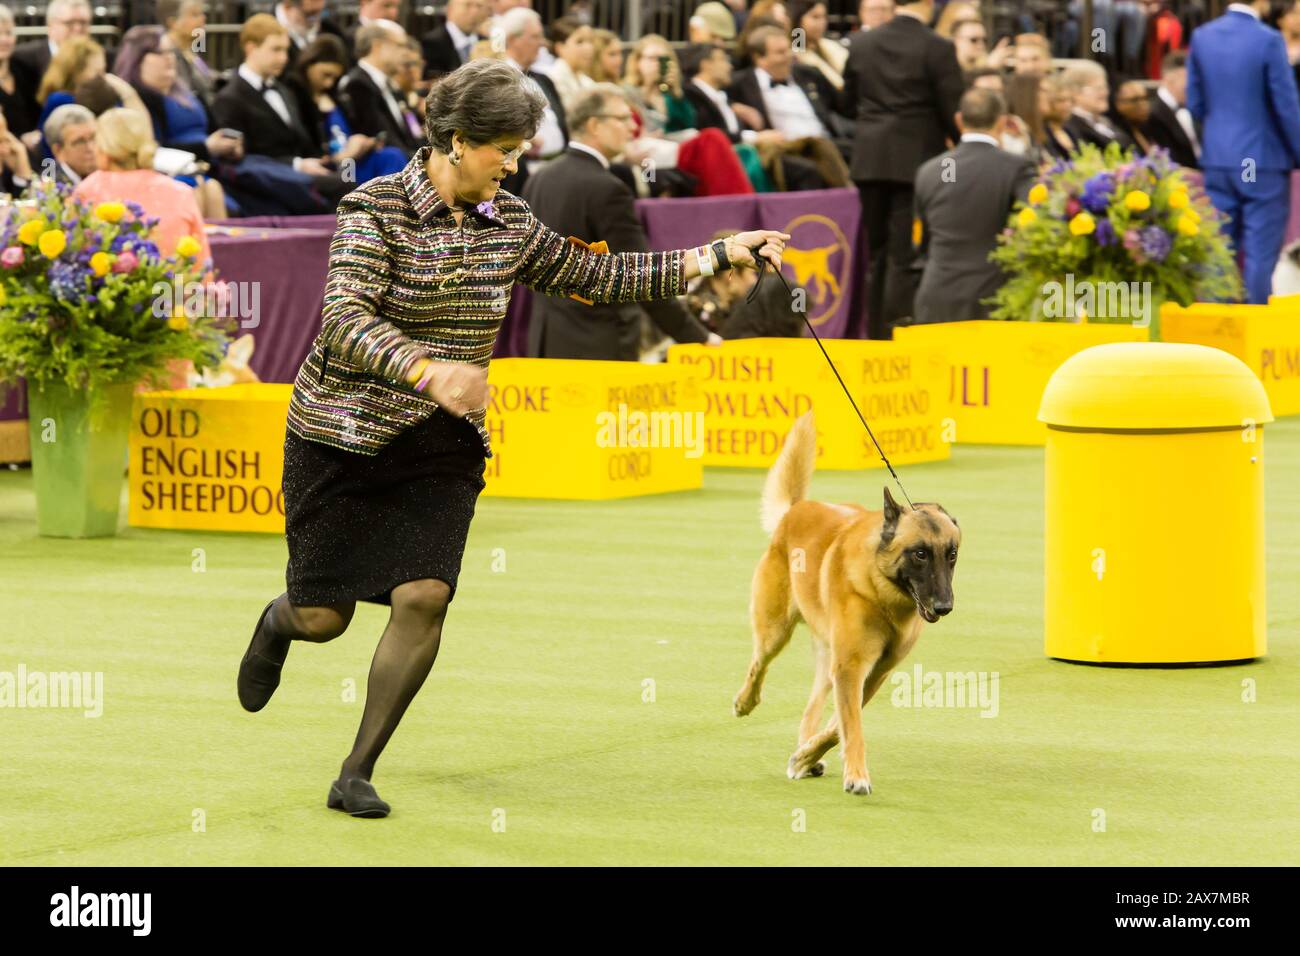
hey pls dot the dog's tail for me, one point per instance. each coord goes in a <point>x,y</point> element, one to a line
<point>791,475</point>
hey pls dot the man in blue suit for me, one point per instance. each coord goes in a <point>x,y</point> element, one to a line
<point>1241,87</point>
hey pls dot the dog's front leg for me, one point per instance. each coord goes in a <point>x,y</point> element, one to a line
<point>848,676</point>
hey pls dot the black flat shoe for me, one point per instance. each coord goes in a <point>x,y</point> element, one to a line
<point>357,797</point>
<point>259,671</point>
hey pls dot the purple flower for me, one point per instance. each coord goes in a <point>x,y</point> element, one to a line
<point>1097,191</point>
<point>135,209</point>
<point>1105,234</point>
<point>487,209</point>
<point>67,282</point>
<point>12,257</point>
<point>1155,243</point>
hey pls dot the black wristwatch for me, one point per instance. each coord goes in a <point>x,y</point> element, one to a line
<point>719,248</point>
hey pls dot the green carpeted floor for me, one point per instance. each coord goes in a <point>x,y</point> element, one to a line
<point>533,741</point>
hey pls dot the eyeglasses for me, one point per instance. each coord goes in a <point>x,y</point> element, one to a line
<point>511,155</point>
<point>621,117</point>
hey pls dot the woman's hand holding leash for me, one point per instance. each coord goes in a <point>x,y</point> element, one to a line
<point>745,249</point>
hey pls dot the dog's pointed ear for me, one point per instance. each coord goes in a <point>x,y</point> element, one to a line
<point>890,524</point>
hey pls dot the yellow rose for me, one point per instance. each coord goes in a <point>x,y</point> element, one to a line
<point>1187,225</point>
<point>1038,195</point>
<point>178,322</point>
<point>100,263</point>
<point>188,247</point>
<point>1026,217</point>
<point>1178,199</point>
<point>52,242</point>
<point>31,231</point>
<point>1137,201</point>
<point>1193,215</point>
<point>110,211</point>
<point>918,232</point>
<point>1082,225</point>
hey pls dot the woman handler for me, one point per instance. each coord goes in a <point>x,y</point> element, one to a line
<point>385,445</point>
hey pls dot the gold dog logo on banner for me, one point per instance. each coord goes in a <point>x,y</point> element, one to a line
<point>809,256</point>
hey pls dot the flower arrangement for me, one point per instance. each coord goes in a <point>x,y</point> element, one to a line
<point>80,296</point>
<point>1108,220</point>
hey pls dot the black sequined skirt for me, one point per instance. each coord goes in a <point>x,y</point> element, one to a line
<point>359,525</point>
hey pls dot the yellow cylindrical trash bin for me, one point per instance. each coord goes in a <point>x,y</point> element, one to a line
<point>1154,506</point>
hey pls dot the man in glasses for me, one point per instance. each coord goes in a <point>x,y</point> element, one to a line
<point>63,19</point>
<point>576,194</point>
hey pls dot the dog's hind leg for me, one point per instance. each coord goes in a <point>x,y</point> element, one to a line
<point>807,760</point>
<point>821,689</point>
<point>773,618</point>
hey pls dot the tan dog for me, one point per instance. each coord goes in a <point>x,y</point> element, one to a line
<point>862,580</point>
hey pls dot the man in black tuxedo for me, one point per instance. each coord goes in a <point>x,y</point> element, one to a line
<point>1089,86</point>
<point>367,96</point>
<point>904,85</point>
<point>449,45</point>
<point>963,199</point>
<point>63,19</point>
<point>1171,124</point>
<point>576,195</point>
<point>266,111</point>
<point>790,97</point>
<point>520,30</point>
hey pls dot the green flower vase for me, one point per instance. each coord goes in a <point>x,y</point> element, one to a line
<point>78,465</point>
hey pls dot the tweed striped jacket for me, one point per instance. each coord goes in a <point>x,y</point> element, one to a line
<point>405,284</point>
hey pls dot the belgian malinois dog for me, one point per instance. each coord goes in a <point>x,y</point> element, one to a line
<point>862,580</point>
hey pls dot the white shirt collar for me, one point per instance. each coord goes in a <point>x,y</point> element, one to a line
<point>590,149</point>
<point>1243,8</point>
<point>375,73</point>
<point>458,38</point>
<point>764,78</point>
<point>706,89</point>
<point>979,138</point>
<point>250,77</point>
<point>1167,98</point>
<point>71,174</point>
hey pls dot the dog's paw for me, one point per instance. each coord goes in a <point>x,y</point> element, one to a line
<point>858,786</point>
<point>743,704</point>
<point>797,771</point>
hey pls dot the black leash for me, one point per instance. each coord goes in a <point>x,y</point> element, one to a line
<point>762,270</point>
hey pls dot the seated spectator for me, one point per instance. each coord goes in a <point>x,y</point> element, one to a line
<point>291,170</point>
<point>1170,124</point>
<point>318,70</point>
<point>1089,90</point>
<point>15,163</point>
<point>124,151</point>
<point>304,21</point>
<point>1032,55</point>
<point>448,46</point>
<point>78,60</point>
<point>15,103</point>
<point>577,195</point>
<point>817,50</point>
<point>368,12</point>
<point>410,84</point>
<point>372,104</point>
<point>185,22</point>
<point>606,57</point>
<point>718,301</point>
<point>652,82</point>
<point>1130,112</point>
<point>571,42</point>
<point>519,32</point>
<point>1054,106</point>
<point>708,69</point>
<point>712,23</point>
<point>872,13</point>
<point>959,222</point>
<point>788,96</point>
<point>971,40</point>
<point>70,135</point>
<point>952,14</point>
<point>64,20</point>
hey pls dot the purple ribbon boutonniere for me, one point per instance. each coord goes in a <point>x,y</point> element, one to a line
<point>487,209</point>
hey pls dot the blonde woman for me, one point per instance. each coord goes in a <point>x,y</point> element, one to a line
<point>79,60</point>
<point>124,151</point>
<point>607,57</point>
<point>652,79</point>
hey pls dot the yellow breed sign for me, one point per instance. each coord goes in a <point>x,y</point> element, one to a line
<point>1265,337</point>
<point>755,389</point>
<point>575,429</point>
<point>997,371</point>
<point>209,459</point>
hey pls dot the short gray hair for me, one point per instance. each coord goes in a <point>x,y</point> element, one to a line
<point>1083,73</point>
<point>591,102</point>
<point>981,109</point>
<point>482,100</point>
<point>375,32</point>
<point>63,8</point>
<point>69,114</point>
<point>511,23</point>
